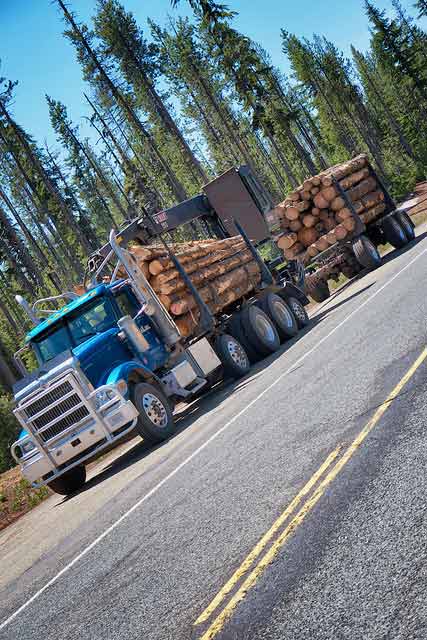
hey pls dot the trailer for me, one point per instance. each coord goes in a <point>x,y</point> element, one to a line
<point>359,250</point>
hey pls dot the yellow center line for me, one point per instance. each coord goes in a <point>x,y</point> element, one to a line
<point>259,547</point>
<point>218,624</point>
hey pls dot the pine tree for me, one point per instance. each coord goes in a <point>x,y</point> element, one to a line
<point>109,93</point>
<point>123,41</point>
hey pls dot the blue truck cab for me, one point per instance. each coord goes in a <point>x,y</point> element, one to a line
<point>106,367</point>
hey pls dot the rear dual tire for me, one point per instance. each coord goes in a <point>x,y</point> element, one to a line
<point>255,332</point>
<point>394,232</point>
<point>298,309</point>
<point>366,253</point>
<point>280,314</point>
<point>407,225</point>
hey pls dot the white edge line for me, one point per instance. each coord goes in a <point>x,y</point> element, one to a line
<point>195,453</point>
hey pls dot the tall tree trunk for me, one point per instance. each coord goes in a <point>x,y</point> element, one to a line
<point>393,122</point>
<point>38,167</point>
<point>175,185</point>
<point>20,249</point>
<point>7,376</point>
<point>88,237</point>
<point>27,233</point>
<point>163,112</point>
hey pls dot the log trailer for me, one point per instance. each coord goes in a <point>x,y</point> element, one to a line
<point>112,361</point>
<point>359,250</point>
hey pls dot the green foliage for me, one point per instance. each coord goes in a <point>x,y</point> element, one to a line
<point>9,430</point>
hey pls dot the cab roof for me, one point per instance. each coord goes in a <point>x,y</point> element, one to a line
<point>66,310</point>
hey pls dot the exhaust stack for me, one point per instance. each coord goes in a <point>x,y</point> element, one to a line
<point>28,310</point>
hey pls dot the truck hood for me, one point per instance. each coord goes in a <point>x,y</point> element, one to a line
<point>100,354</point>
<point>41,377</point>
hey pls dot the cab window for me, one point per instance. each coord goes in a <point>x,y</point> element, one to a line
<point>94,318</point>
<point>127,303</point>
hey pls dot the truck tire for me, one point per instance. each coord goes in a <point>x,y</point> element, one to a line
<point>280,314</point>
<point>394,232</point>
<point>70,482</point>
<point>298,309</point>
<point>406,223</point>
<point>235,360</point>
<point>320,292</point>
<point>366,253</point>
<point>259,330</point>
<point>349,271</point>
<point>155,419</point>
<point>236,330</point>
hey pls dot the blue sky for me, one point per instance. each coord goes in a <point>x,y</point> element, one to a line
<point>34,52</point>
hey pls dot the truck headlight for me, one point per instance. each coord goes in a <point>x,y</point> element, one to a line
<point>103,396</point>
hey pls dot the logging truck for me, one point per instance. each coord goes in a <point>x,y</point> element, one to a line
<point>334,222</point>
<point>155,323</point>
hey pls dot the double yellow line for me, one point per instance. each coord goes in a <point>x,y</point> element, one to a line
<point>314,489</point>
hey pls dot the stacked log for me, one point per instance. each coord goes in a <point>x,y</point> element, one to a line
<point>315,216</point>
<point>223,271</point>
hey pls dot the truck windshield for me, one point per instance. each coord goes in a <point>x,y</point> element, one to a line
<point>95,317</point>
<point>52,344</point>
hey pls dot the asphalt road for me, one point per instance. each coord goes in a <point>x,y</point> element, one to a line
<point>155,535</point>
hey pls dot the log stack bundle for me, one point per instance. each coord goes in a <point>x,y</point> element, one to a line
<point>223,271</point>
<point>315,216</point>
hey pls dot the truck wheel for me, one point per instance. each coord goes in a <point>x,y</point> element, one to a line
<point>259,330</point>
<point>70,482</point>
<point>233,356</point>
<point>394,232</point>
<point>155,419</point>
<point>298,309</point>
<point>320,292</point>
<point>280,314</point>
<point>366,253</point>
<point>349,271</point>
<point>236,330</point>
<point>406,223</point>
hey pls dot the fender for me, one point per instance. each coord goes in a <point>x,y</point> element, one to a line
<point>290,290</point>
<point>124,370</point>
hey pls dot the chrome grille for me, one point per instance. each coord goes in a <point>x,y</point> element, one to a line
<point>43,402</point>
<point>50,413</point>
<point>64,424</point>
<point>56,411</point>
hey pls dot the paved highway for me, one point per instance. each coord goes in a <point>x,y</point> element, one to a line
<point>290,505</point>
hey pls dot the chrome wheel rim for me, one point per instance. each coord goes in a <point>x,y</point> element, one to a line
<point>298,310</point>
<point>264,327</point>
<point>237,353</point>
<point>155,410</point>
<point>284,314</point>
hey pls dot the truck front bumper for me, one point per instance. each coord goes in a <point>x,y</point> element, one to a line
<point>85,441</point>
